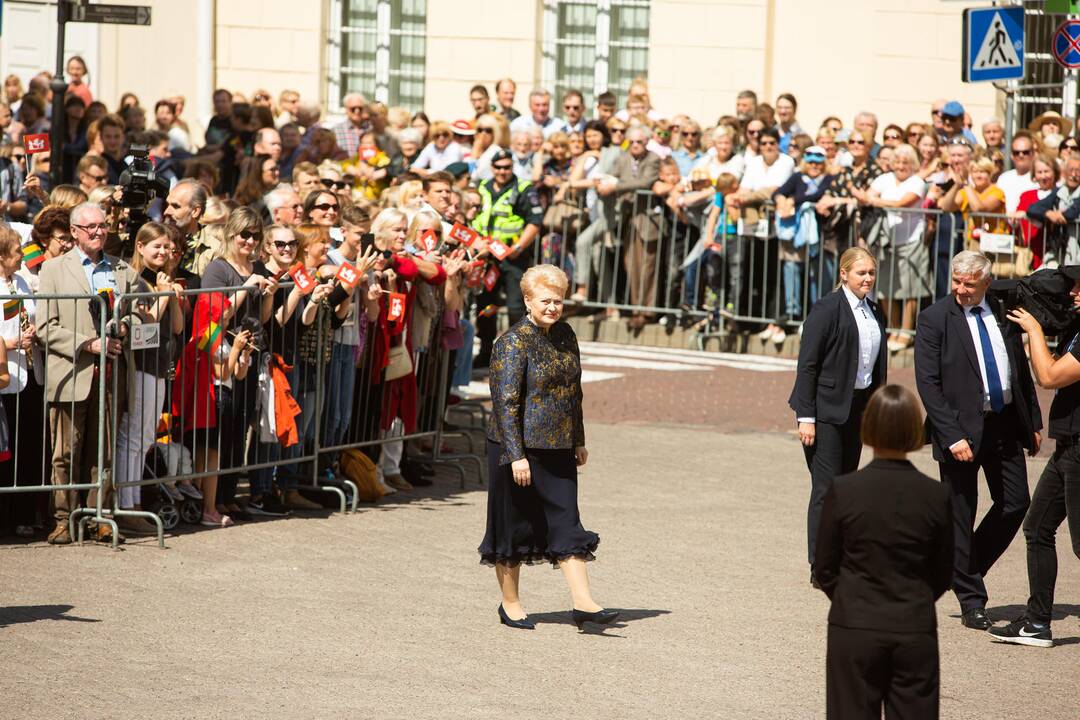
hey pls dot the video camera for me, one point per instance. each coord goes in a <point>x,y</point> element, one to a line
<point>1044,294</point>
<point>139,181</point>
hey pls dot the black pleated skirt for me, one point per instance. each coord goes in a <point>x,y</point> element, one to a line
<point>537,523</point>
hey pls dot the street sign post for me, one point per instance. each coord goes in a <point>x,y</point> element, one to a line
<point>111,14</point>
<point>1066,44</point>
<point>993,44</point>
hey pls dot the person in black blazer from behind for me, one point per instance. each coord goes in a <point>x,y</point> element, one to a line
<point>843,358</point>
<point>884,557</point>
<point>981,412</point>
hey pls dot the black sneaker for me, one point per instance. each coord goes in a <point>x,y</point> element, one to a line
<point>264,508</point>
<point>1023,632</point>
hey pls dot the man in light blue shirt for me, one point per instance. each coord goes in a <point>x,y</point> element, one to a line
<point>539,117</point>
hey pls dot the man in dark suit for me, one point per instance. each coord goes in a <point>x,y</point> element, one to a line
<point>982,412</point>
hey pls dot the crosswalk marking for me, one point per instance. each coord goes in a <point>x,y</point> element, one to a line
<point>606,355</point>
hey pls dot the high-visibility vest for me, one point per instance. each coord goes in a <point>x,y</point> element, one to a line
<point>497,218</point>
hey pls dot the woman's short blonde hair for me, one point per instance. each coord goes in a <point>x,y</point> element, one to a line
<point>544,276</point>
<point>908,152</point>
<point>498,123</point>
<point>380,226</point>
<point>985,164</point>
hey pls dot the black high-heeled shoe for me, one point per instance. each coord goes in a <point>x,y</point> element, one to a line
<point>600,617</point>
<point>523,624</point>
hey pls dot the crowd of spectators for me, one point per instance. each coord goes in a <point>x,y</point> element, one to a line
<point>653,216</point>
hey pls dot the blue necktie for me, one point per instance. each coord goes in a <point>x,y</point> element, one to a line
<point>993,380</point>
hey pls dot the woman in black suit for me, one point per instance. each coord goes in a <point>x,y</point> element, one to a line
<point>843,358</point>
<point>884,557</point>
<point>536,442</point>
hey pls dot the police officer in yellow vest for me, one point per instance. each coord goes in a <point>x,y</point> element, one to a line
<point>512,215</point>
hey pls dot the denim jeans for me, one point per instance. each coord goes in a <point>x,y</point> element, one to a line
<point>339,394</point>
<point>822,286</point>
<point>463,358</point>
<point>792,270</point>
<point>948,240</point>
<point>1056,496</point>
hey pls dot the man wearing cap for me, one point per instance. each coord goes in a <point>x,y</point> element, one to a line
<point>539,116</point>
<point>511,215</point>
<point>981,413</point>
<point>952,124</point>
<point>1057,494</point>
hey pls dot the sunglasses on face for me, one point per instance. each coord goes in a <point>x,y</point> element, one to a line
<point>663,133</point>
<point>333,184</point>
<point>767,143</point>
<point>96,178</point>
<point>488,131</point>
<point>326,207</point>
<point>283,246</point>
<point>262,97</point>
<point>441,135</point>
<point>502,167</point>
<point>892,136</point>
<point>250,234</point>
<point>1022,153</point>
<point>856,142</point>
<point>617,130</point>
<point>1067,147</point>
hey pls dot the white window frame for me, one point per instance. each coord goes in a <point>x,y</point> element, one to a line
<point>604,43</point>
<point>383,32</point>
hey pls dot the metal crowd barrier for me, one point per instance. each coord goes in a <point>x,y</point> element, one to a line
<point>644,259</point>
<point>156,447</point>
<point>44,472</point>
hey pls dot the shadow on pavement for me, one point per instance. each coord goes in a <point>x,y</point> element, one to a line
<point>32,613</point>
<point>626,615</point>
<point>1012,612</point>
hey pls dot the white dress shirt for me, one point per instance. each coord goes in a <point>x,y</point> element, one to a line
<point>1001,355</point>
<point>869,342</point>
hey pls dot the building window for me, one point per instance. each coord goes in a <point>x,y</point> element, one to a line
<point>595,46</point>
<point>377,48</point>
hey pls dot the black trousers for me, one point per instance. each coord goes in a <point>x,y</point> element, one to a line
<point>1057,496</point>
<point>836,451</point>
<point>868,669</point>
<point>508,284</point>
<point>1001,458</point>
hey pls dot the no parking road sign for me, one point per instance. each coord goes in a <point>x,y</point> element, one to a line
<point>993,43</point>
<point>1066,44</point>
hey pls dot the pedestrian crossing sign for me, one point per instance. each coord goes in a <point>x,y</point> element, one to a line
<point>993,43</point>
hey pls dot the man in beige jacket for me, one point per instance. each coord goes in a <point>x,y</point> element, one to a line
<point>74,343</point>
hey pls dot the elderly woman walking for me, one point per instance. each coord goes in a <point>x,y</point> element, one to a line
<point>536,442</point>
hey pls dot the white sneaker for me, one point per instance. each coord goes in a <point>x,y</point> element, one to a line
<point>386,489</point>
<point>767,333</point>
<point>779,336</point>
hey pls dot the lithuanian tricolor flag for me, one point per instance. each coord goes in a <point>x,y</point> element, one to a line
<point>11,308</point>
<point>32,255</point>
<point>211,338</point>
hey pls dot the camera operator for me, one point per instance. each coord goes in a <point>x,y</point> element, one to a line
<point>1057,494</point>
<point>184,206</point>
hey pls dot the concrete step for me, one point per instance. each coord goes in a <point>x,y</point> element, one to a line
<point>597,328</point>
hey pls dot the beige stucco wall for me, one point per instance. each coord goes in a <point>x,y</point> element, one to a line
<point>151,62</point>
<point>837,57</point>
<point>479,42</point>
<point>271,44</point>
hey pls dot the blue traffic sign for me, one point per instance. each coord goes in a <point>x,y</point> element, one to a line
<point>1066,44</point>
<point>993,43</point>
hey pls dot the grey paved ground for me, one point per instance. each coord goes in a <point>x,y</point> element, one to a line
<point>386,614</point>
